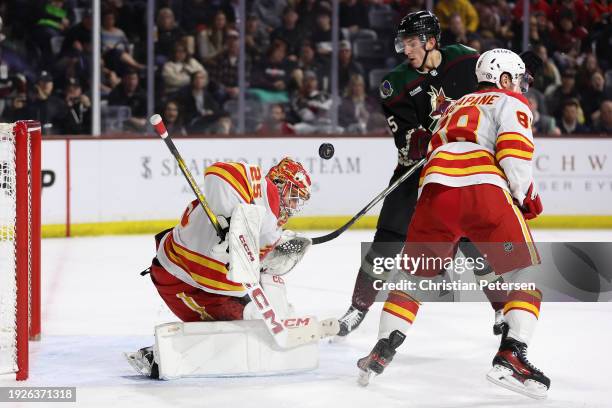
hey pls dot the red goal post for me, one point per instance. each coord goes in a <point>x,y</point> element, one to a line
<point>20,239</point>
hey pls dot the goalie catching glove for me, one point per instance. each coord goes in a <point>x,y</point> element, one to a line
<point>288,252</point>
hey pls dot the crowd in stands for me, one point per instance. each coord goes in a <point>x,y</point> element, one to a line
<point>46,62</point>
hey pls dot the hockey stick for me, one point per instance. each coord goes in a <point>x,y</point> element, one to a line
<point>275,326</point>
<point>368,207</point>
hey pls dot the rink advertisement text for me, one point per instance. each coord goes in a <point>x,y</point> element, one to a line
<point>574,175</point>
<point>448,272</point>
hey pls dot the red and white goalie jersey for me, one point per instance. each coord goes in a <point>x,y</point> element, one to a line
<point>186,251</point>
<point>483,138</point>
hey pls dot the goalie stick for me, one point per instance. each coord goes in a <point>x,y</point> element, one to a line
<point>283,337</point>
<point>335,234</point>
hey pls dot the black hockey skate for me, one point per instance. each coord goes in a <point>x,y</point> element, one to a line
<point>500,326</point>
<point>351,320</point>
<point>143,361</point>
<point>380,357</point>
<point>513,371</point>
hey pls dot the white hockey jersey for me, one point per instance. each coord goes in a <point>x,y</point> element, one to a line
<point>186,251</point>
<point>483,138</point>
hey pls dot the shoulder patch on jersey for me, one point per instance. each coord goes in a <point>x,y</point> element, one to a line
<point>386,90</point>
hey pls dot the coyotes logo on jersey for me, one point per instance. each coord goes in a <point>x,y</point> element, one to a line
<point>439,103</point>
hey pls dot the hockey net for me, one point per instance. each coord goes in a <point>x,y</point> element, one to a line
<point>20,193</point>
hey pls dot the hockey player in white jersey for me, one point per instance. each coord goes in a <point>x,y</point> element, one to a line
<point>477,183</point>
<point>191,270</point>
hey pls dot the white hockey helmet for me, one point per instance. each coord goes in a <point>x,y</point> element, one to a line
<point>493,63</point>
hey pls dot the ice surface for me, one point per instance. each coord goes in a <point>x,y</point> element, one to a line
<point>96,305</point>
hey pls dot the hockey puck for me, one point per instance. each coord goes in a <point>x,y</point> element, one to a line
<point>326,151</point>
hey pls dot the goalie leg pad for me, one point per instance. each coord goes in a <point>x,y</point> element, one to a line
<point>218,349</point>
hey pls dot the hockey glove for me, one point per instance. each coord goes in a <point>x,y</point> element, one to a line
<point>418,143</point>
<point>532,205</point>
<point>289,251</point>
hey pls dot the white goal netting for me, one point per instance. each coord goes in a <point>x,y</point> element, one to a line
<point>8,288</point>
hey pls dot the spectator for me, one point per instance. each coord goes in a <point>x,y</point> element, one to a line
<point>129,93</point>
<point>456,32</point>
<point>275,123</point>
<point>568,122</point>
<point>347,66</point>
<point>17,109</point>
<point>354,14</point>
<point>76,112</point>
<point>112,37</point>
<point>570,7</point>
<point>276,73</point>
<point>173,120</point>
<point>308,61</point>
<point>53,22</point>
<point>129,17</point>
<point>177,72</point>
<point>44,106</point>
<point>603,125</point>
<point>446,8</point>
<point>586,71</point>
<point>593,95</point>
<point>492,33</point>
<point>549,76</point>
<point>196,14</point>
<point>223,69</point>
<point>78,37</point>
<point>567,89</point>
<point>321,34</point>
<point>257,39</point>
<point>168,34</point>
<point>289,33</point>
<point>200,107</point>
<point>567,37</point>
<point>356,106</point>
<point>115,46</point>
<point>109,81</point>
<point>311,105</point>
<point>211,41</point>
<point>270,11</point>
<point>542,124</point>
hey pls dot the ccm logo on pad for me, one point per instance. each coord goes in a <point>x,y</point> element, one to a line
<point>297,322</point>
<point>246,247</point>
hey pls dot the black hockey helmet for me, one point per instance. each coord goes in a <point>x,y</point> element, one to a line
<point>423,24</point>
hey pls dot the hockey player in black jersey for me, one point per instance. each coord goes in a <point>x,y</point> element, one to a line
<point>413,96</point>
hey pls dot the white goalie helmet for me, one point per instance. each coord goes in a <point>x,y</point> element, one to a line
<point>493,63</point>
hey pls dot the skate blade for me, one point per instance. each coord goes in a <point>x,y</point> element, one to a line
<point>502,376</point>
<point>364,377</point>
<point>134,360</point>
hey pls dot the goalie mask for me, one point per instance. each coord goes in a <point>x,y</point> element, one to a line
<point>293,183</point>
